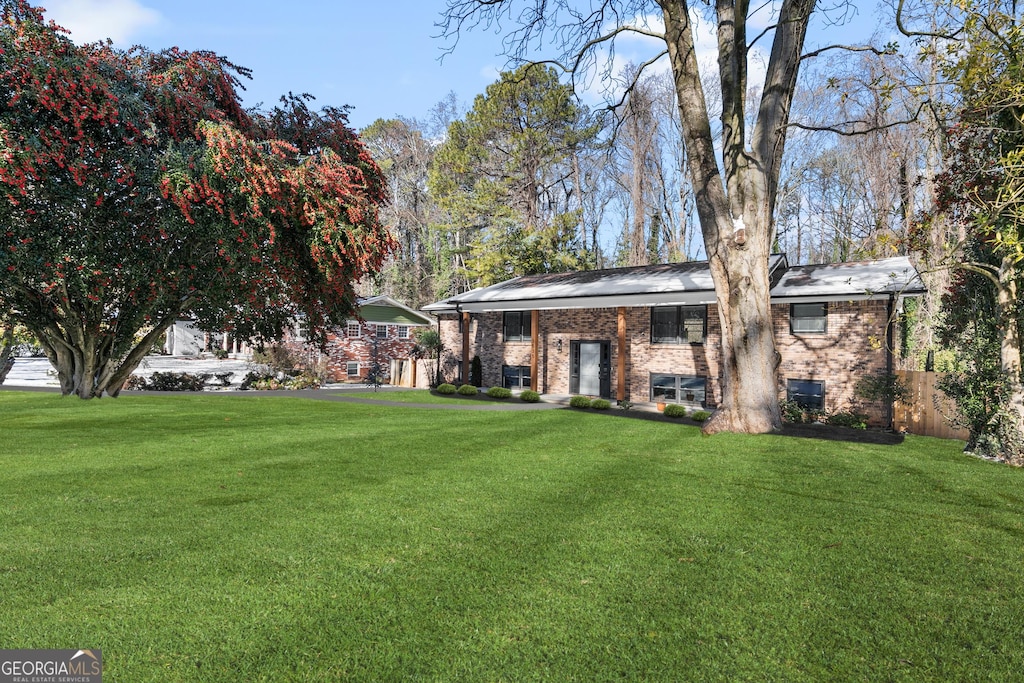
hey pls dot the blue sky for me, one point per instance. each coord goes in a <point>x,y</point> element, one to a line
<point>381,57</point>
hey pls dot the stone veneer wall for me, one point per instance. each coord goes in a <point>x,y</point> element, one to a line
<point>852,346</point>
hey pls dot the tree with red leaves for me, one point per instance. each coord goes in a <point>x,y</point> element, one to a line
<point>135,190</point>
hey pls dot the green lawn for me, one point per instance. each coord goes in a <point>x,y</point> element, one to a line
<point>220,538</point>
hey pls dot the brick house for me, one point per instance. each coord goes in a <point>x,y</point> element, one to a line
<point>385,333</point>
<point>652,334</point>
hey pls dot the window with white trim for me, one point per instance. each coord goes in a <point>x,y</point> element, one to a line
<point>352,368</point>
<point>353,329</point>
<point>403,331</point>
<point>382,331</point>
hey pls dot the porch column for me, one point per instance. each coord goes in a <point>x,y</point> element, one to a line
<point>535,348</point>
<point>465,347</point>
<point>620,389</point>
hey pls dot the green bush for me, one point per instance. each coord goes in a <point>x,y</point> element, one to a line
<point>791,411</point>
<point>252,378</point>
<point>579,402</point>
<point>468,390</point>
<point>476,372</point>
<point>499,392</point>
<point>446,389</point>
<point>306,380</point>
<point>529,396</point>
<point>848,418</point>
<point>675,410</point>
<point>700,415</point>
<point>600,404</point>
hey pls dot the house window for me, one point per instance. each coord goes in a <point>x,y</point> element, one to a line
<point>516,326</point>
<point>678,324</point>
<point>352,368</point>
<point>382,331</point>
<point>353,329</point>
<point>806,393</point>
<point>678,389</point>
<point>403,331</point>
<point>808,318</point>
<point>515,376</point>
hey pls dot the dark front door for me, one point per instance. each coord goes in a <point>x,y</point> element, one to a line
<point>591,368</point>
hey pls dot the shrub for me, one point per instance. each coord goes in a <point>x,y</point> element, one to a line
<point>176,381</point>
<point>791,411</point>
<point>476,372</point>
<point>135,383</point>
<point>446,389</point>
<point>499,392</point>
<point>600,404</point>
<point>253,378</point>
<point>848,418</point>
<point>276,359</point>
<point>675,410</point>
<point>579,402</point>
<point>700,415</point>
<point>306,380</point>
<point>468,390</point>
<point>529,396</point>
<point>625,405</point>
<point>224,378</point>
<point>220,354</point>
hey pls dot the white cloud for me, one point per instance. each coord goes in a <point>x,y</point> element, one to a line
<point>92,20</point>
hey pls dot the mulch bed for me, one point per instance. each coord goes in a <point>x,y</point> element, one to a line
<point>805,431</point>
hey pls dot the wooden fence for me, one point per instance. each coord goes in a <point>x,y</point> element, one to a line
<point>922,412</point>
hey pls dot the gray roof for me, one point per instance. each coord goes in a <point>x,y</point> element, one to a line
<point>678,284</point>
<point>853,280</point>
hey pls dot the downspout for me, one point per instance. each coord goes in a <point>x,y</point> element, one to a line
<point>890,325</point>
<point>465,343</point>
<point>535,348</point>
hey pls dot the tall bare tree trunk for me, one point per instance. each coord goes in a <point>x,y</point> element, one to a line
<point>735,204</point>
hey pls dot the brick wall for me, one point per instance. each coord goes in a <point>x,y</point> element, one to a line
<point>852,346</point>
<point>341,349</point>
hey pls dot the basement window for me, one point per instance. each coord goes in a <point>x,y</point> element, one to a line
<point>809,394</point>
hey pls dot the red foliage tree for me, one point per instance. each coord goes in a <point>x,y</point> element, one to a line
<point>134,190</point>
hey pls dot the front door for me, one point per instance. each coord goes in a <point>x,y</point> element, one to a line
<point>591,368</point>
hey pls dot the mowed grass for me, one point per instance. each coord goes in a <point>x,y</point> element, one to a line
<point>220,538</point>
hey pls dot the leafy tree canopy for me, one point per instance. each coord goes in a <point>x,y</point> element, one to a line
<point>134,190</point>
<point>504,176</point>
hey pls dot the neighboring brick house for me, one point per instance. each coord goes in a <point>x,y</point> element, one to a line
<point>652,334</point>
<point>386,332</point>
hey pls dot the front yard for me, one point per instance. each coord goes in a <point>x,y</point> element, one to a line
<point>223,538</point>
